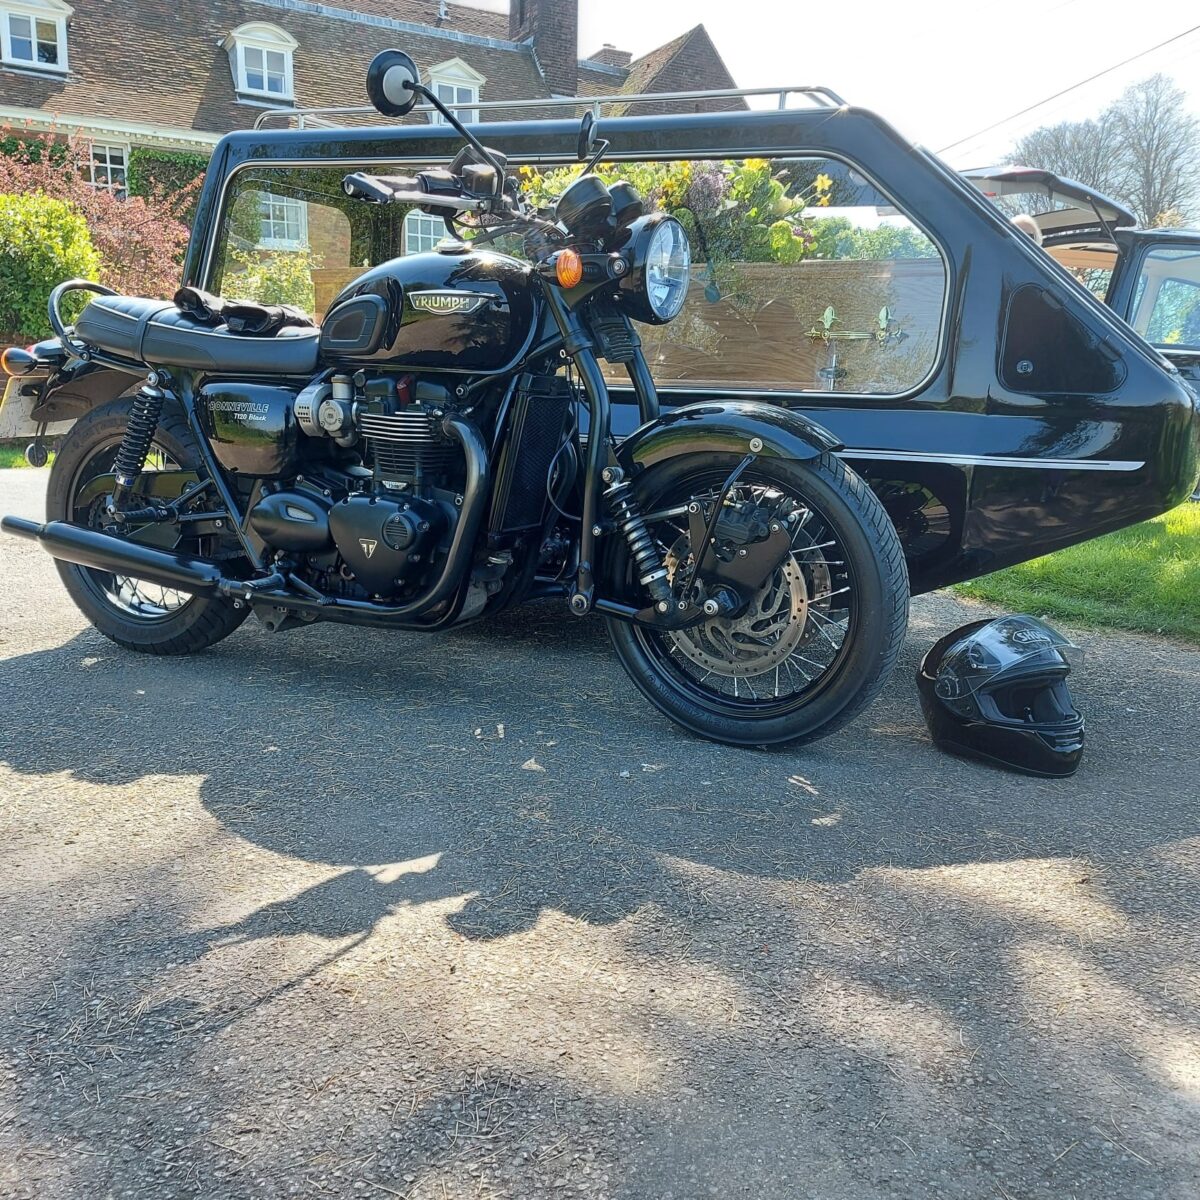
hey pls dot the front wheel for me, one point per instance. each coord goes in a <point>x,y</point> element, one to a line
<point>816,643</point>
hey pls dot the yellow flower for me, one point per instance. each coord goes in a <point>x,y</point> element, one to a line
<point>823,183</point>
<point>823,202</point>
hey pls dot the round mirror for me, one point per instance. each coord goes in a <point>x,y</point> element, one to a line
<point>587,137</point>
<point>392,79</point>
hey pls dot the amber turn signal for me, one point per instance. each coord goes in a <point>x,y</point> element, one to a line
<point>15,361</point>
<point>568,268</point>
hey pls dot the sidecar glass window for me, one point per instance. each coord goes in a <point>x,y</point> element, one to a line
<point>1167,299</point>
<point>290,235</point>
<point>805,277</point>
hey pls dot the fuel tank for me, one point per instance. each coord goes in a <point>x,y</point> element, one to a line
<point>453,309</point>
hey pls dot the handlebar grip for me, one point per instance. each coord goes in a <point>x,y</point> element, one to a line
<point>366,187</point>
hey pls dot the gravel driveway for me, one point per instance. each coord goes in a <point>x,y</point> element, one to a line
<point>341,914</point>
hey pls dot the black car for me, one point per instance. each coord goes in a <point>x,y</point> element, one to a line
<point>1150,277</point>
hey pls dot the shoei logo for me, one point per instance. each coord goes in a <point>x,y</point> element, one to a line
<point>368,545</point>
<point>1031,637</point>
<point>448,302</point>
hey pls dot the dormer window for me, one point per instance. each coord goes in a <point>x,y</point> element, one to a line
<point>260,57</point>
<point>454,82</point>
<point>33,34</point>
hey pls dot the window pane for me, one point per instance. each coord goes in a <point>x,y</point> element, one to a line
<point>422,232</point>
<point>805,278</point>
<point>47,39</point>
<point>253,60</point>
<point>108,168</point>
<point>1167,305</point>
<point>20,31</point>
<point>274,62</point>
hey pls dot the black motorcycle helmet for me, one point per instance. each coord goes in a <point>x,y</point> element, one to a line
<point>997,690</point>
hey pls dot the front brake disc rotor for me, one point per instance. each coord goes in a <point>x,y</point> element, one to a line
<point>770,629</point>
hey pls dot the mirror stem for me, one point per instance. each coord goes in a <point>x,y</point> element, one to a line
<point>422,90</point>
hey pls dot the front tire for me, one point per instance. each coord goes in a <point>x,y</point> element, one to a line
<point>821,639</point>
<point>139,617</point>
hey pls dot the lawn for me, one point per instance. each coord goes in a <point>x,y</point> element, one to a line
<point>1146,578</point>
<point>14,456</point>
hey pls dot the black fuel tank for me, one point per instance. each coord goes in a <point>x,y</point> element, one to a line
<point>251,427</point>
<point>467,310</point>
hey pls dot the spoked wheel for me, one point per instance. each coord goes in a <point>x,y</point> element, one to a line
<point>814,644</point>
<point>133,613</point>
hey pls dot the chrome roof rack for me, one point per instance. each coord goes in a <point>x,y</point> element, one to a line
<point>327,117</point>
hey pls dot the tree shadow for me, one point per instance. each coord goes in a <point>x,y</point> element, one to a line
<point>842,965</point>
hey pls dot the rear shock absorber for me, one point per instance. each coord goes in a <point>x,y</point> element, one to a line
<point>139,435</point>
<point>627,515</point>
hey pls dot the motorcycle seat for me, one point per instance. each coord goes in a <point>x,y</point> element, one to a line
<point>158,333</point>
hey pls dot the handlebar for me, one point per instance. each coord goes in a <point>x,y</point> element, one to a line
<point>430,189</point>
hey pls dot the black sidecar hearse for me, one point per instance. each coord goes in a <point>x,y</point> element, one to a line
<point>997,408</point>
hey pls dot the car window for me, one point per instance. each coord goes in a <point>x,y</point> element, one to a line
<point>1166,308</point>
<point>290,235</point>
<point>1091,264</point>
<point>806,277</point>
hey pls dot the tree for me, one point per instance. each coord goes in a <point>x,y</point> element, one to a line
<point>1143,150</point>
<point>141,239</point>
<point>1160,144</point>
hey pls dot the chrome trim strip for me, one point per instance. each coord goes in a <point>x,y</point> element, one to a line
<point>993,460</point>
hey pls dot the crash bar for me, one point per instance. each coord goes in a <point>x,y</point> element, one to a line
<point>319,116</point>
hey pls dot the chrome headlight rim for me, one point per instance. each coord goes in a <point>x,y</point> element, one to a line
<point>668,269</point>
<point>645,236</point>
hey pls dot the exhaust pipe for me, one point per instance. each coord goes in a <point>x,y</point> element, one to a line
<point>90,548</point>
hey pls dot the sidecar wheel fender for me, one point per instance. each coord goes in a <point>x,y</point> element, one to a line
<point>726,427</point>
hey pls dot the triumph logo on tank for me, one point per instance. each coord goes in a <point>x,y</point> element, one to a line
<point>447,303</point>
<point>368,545</point>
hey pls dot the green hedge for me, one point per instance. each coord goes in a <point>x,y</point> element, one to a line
<point>42,242</point>
<point>170,170</point>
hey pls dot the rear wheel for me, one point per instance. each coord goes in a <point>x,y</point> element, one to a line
<point>134,614</point>
<point>816,643</point>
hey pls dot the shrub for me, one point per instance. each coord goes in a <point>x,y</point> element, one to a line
<point>272,277</point>
<point>43,241</point>
<point>141,240</point>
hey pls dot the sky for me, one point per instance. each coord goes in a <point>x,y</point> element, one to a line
<point>939,70</point>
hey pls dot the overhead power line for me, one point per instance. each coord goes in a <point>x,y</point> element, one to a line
<point>1074,87</point>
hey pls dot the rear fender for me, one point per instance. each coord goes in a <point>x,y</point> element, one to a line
<point>68,395</point>
<point>726,427</point>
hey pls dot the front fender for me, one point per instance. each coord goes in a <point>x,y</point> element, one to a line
<point>725,427</point>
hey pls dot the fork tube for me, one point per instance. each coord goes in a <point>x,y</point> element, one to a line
<point>579,345</point>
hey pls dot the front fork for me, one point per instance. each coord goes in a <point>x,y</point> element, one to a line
<point>600,473</point>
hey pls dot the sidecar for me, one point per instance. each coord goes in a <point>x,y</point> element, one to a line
<point>997,407</point>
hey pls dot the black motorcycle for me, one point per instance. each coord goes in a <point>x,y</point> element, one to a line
<point>440,449</point>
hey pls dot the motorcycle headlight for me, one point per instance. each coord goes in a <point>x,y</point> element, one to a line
<point>656,287</point>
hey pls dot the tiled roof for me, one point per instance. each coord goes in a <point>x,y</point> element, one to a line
<point>175,72</point>
<point>164,68</point>
<point>461,17</point>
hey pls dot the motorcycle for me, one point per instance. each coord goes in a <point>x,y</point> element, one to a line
<point>439,450</point>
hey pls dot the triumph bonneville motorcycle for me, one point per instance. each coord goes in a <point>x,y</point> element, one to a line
<point>420,460</point>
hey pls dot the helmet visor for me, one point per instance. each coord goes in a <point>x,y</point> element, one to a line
<point>1007,646</point>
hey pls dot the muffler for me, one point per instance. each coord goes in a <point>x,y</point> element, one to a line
<point>90,548</point>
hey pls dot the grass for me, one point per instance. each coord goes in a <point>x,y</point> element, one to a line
<point>1145,578</point>
<point>14,455</point>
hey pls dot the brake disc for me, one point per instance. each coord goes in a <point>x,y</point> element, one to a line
<point>770,629</point>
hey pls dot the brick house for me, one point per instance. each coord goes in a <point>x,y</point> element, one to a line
<point>161,78</point>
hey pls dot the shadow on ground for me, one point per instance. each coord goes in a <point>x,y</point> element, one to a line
<point>439,916</point>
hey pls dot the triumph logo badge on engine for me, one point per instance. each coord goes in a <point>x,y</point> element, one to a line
<point>448,303</point>
<point>368,545</point>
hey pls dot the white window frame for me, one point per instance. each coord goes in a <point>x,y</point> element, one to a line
<point>464,84</point>
<point>284,243</point>
<point>52,11</point>
<point>109,148</point>
<point>416,226</point>
<point>265,39</point>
